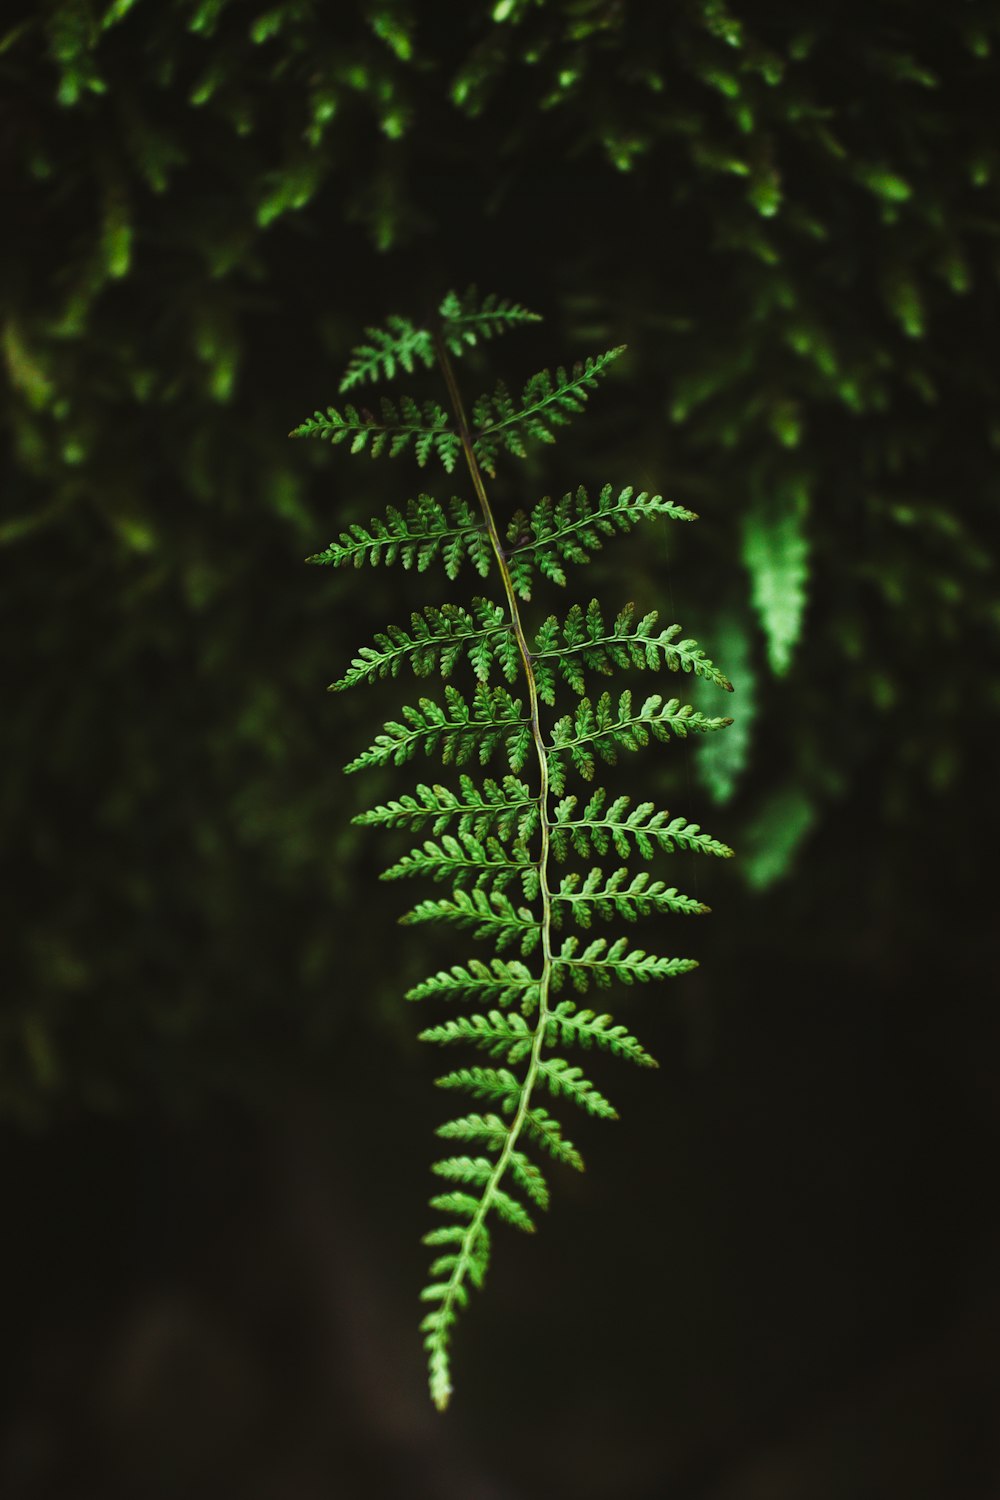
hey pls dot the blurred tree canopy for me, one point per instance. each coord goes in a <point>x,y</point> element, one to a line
<point>791,216</point>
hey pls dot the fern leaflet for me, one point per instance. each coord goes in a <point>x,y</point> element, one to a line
<point>438,638</point>
<point>506,806</point>
<point>603,826</point>
<point>466,319</point>
<point>400,343</point>
<point>583,643</point>
<point>507,981</point>
<point>465,858</point>
<point>557,532</point>
<point>459,729</point>
<point>546,402</point>
<point>416,539</point>
<point>397,427</point>
<point>586,897</point>
<point>602,729</point>
<point>404,344</point>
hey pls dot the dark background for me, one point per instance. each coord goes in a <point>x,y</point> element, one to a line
<point>778,1276</point>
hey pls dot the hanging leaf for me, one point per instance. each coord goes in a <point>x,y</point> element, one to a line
<point>776,554</point>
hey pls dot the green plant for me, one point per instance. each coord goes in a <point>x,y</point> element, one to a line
<point>495,842</point>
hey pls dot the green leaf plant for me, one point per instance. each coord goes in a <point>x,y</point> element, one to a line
<point>498,841</point>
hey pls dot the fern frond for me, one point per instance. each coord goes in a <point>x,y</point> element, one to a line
<point>507,981</point>
<point>426,531</point>
<point>437,639</point>
<point>583,641</point>
<point>594,896</point>
<point>506,808</point>
<point>457,729</point>
<point>490,914</point>
<point>603,729</point>
<point>427,428</point>
<point>400,343</point>
<point>602,964</point>
<point>546,402</point>
<point>560,532</point>
<point>602,826</point>
<point>465,858</point>
<point>465,320</point>
<point>494,839</point>
<point>567,1024</point>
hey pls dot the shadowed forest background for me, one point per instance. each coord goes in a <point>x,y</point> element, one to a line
<point>778,1277</point>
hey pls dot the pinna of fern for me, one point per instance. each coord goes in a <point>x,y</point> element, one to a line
<point>496,840</point>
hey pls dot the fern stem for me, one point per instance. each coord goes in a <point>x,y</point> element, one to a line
<point>545,894</point>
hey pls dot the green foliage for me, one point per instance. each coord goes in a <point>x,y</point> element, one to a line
<point>602,826</point>
<point>776,553</point>
<point>776,832</point>
<point>547,402</point>
<point>437,640</point>
<point>723,762</point>
<point>399,343</point>
<point>459,728</point>
<point>490,914</point>
<point>398,425</point>
<point>568,530</point>
<point>427,531</point>
<point>602,964</point>
<point>210,202</point>
<point>600,730</point>
<point>507,806</point>
<point>498,423</point>
<point>581,898</point>
<point>463,321</point>
<point>587,644</point>
<point>507,981</point>
<point>494,842</point>
<point>467,319</point>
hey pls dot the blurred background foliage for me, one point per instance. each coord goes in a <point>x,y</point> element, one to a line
<point>789,214</point>
<point>791,220</point>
